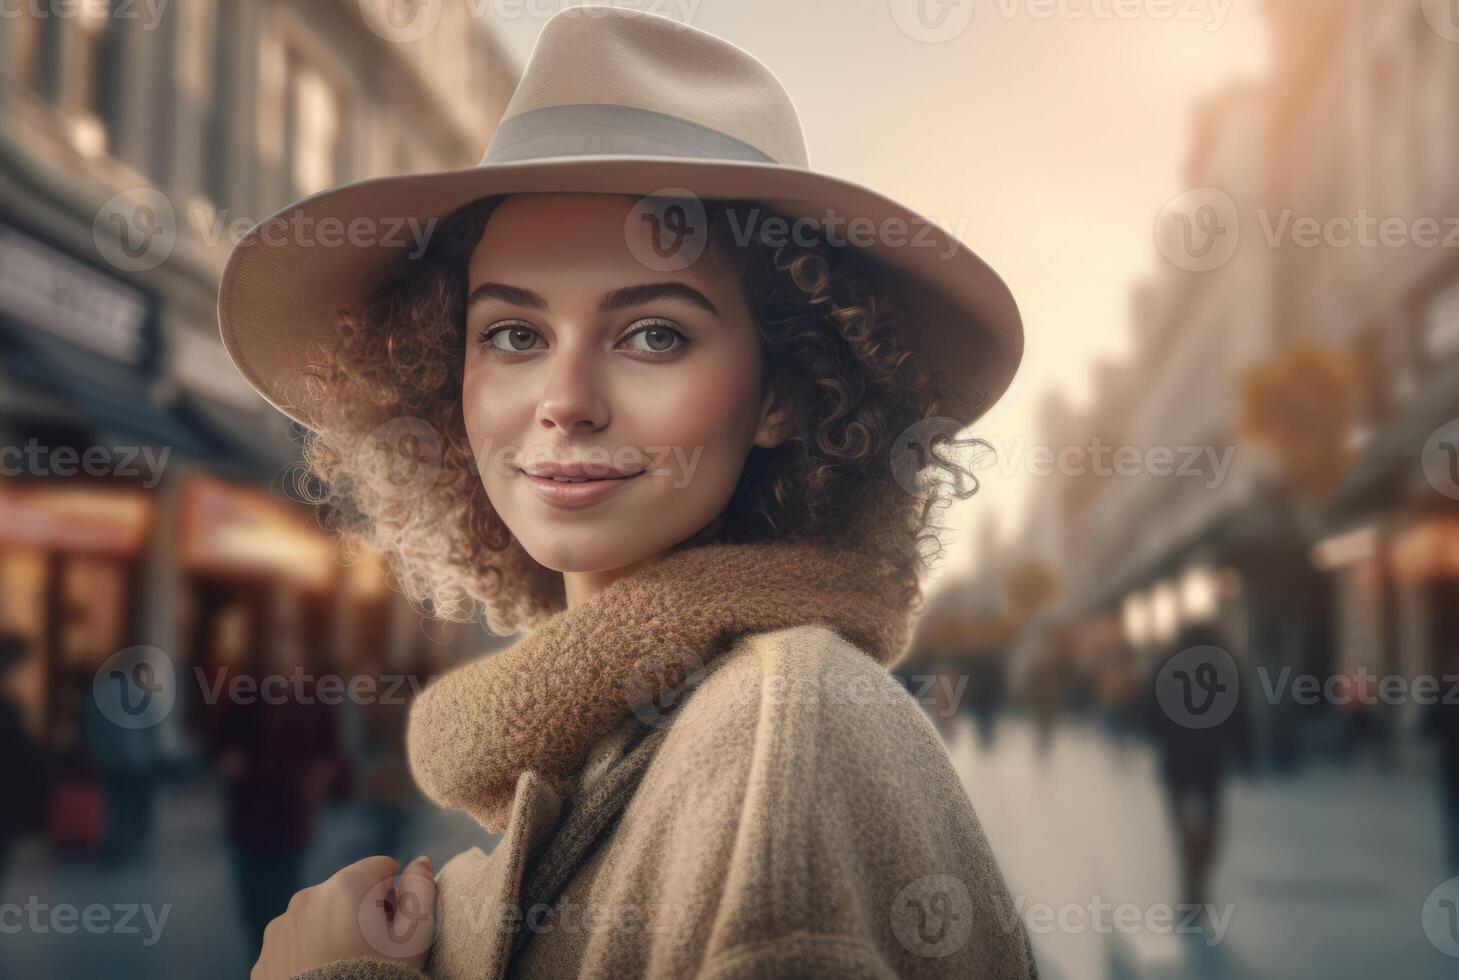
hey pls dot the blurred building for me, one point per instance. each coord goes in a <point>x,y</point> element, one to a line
<point>1391,537</point>
<point>1360,116</point>
<point>147,494</point>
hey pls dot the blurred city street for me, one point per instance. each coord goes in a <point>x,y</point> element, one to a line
<point>1318,882</point>
<point>188,875</point>
<point>1231,455</point>
<point>1077,827</point>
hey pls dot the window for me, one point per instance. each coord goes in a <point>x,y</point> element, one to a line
<point>34,51</point>
<point>97,64</point>
<point>1389,155</point>
<point>1431,126</point>
<point>1375,400</point>
<point>313,116</point>
<point>215,111</point>
<point>1441,341</point>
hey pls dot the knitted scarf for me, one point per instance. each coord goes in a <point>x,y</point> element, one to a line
<point>638,643</point>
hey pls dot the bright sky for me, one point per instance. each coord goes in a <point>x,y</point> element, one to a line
<point>1048,135</point>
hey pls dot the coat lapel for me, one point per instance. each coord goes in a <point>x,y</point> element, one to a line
<point>477,893</point>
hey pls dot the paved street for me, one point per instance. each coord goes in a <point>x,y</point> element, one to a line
<point>1325,874</point>
<point>190,882</point>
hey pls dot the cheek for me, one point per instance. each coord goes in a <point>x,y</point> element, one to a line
<point>493,415</point>
<point>705,417</point>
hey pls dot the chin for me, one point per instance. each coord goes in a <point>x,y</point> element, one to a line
<point>588,549</point>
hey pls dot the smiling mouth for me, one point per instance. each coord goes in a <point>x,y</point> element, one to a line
<point>577,491</point>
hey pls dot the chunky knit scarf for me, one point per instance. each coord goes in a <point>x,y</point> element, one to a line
<point>636,645</point>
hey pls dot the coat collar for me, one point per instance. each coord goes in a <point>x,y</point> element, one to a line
<point>541,705</point>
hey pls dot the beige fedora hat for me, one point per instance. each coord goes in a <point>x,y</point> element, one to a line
<point>614,100</point>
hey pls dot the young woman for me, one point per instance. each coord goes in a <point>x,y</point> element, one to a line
<point>628,397</point>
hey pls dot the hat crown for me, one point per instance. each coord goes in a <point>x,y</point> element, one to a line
<point>595,55</point>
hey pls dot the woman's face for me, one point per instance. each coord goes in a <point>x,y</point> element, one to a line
<point>582,364</point>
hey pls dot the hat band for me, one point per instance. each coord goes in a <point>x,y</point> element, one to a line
<point>610,130</point>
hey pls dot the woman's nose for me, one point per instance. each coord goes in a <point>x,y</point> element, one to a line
<point>573,400</point>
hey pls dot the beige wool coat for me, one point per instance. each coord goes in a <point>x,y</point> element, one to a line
<point>799,816</point>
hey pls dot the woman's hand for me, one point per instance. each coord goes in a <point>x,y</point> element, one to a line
<point>357,912</point>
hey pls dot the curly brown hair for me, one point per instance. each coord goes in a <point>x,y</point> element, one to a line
<point>834,351</point>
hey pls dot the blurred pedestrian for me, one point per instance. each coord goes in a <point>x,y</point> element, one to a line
<point>278,748</point>
<point>1442,721</point>
<point>22,765</point>
<point>986,670</point>
<point>1193,765</point>
<point>374,741</point>
<point>1045,689</point>
<point>127,758</point>
<point>1116,690</point>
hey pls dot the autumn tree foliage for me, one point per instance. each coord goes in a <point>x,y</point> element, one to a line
<point>1301,403</point>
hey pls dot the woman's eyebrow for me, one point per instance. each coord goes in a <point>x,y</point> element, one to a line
<point>650,291</point>
<point>515,295</point>
<point>616,300</point>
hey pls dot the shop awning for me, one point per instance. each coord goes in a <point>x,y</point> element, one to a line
<point>114,399</point>
<point>255,444</point>
<point>1394,456</point>
<point>1253,531</point>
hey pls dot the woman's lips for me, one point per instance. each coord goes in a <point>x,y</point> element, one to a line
<point>572,495</point>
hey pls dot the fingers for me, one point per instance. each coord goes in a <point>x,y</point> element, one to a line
<point>420,868</point>
<point>397,920</point>
<point>366,873</point>
<point>415,894</point>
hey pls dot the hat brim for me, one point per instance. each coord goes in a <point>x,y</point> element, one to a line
<point>278,297</point>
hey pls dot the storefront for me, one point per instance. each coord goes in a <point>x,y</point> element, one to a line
<point>69,582</point>
<point>143,500</point>
<point>96,437</point>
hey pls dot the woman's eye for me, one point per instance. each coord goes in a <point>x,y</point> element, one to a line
<point>656,338</point>
<point>515,339</point>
